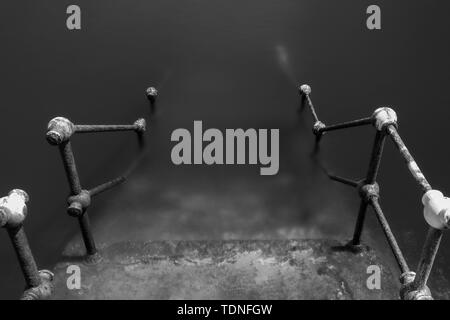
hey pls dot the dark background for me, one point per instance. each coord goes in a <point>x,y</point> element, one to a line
<point>231,64</point>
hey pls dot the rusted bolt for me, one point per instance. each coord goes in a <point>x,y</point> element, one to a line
<point>78,203</point>
<point>138,125</point>
<point>383,117</point>
<point>59,130</point>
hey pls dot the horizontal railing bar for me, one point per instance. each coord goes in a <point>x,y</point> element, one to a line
<point>348,124</point>
<point>106,186</point>
<point>345,181</point>
<point>85,128</point>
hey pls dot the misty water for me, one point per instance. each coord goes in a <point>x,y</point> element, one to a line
<point>231,65</point>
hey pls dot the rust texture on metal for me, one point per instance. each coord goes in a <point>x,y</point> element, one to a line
<point>384,119</point>
<point>152,94</point>
<point>138,126</point>
<point>13,211</point>
<point>59,132</point>
<point>410,162</point>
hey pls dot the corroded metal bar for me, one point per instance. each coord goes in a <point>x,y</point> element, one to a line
<point>356,240</point>
<point>138,126</point>
<point>429,251</point>
<point>348,124</point>
<point>86,233</point>
<point>375,159</point>
<point>305,91</point>
<point>106,186</point>
<point>343,180</point>
<point>70,167</point>
<point>403,265</point>
<point>26,260</point>
<point>75,188</point>
<point>410,162</point>
<point>371,177</point>
<point>13,211</point>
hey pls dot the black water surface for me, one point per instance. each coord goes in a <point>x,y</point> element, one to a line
<point>230,64</point>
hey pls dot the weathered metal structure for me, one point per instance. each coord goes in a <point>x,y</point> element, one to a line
<point>436,206</point>
<point>13,208</point>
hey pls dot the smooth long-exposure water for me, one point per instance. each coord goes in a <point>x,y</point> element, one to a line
<point>230,64</point>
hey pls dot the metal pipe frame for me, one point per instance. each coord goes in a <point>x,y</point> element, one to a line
<point>414,285</point>
<point>13,211</point>
<point>59,133</point>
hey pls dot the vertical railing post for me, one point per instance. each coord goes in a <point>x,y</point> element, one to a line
<point>152,94</point>
<point>77,209</point>
<point>13,211</point>
<point>382,118</point>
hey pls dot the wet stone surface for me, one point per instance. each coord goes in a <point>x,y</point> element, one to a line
<point>234,269</point>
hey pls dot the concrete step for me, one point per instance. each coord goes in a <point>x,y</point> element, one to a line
<point>234,269</point>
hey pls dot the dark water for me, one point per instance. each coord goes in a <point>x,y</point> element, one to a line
<point>231,64</point>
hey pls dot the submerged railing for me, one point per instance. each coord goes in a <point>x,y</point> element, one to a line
<point>436,206</point>
<point>59,133</point>
<point>13,208</point>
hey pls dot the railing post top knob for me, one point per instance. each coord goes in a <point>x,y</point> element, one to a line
<point>151,92</point>
<point>305,89</point>
<point>384,116</point>
<point>13,208</point>
<point>436,209</point>
<point>318,127</point>
<point>141,125</point>
<point>59,130</point>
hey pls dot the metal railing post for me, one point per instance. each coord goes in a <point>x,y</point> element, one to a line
<point>13,211</point>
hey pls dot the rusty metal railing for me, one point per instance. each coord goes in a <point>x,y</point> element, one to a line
<point>13,210</point>
<point>436,206</point>
<point>59,133</point>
